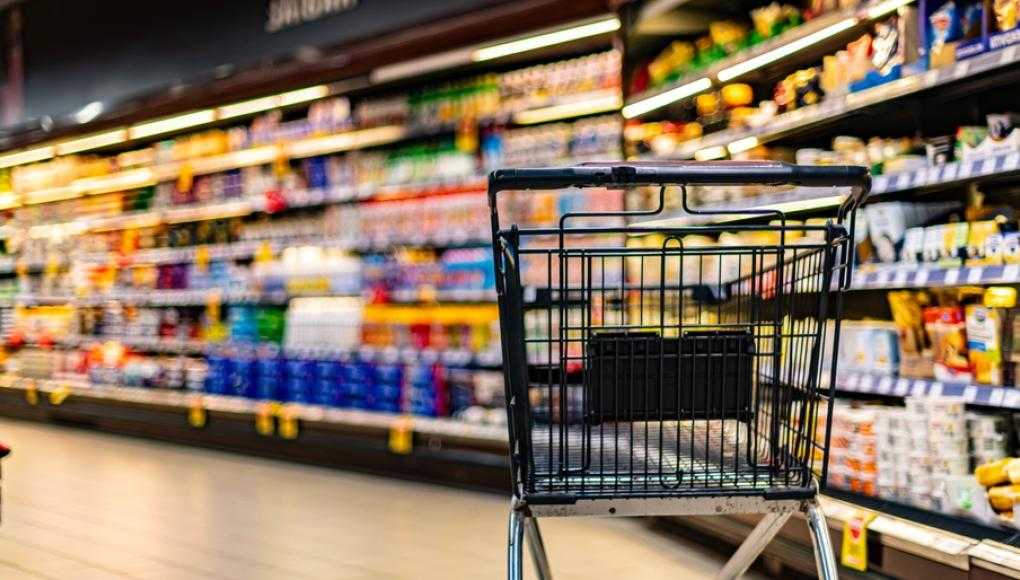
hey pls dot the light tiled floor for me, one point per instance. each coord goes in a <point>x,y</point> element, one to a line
<point>82,505</point>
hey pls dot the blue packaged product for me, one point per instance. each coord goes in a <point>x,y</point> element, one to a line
<point>354,386</point>
<point>271,372</point>
<point>242,377</point>
<point>461,387</point>
<point>218,376</point>
<point>328,376</point>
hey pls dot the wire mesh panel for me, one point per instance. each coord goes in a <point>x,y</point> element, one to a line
<point>642,363</point>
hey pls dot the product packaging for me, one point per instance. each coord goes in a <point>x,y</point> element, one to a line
<point>946,330</point>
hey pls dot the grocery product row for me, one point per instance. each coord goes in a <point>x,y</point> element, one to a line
<point>329,351</point>
<point>931,453</point>
<point>470,112</point>
<point>899,56</point>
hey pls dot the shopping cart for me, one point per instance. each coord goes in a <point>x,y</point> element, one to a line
<point>649,376</point>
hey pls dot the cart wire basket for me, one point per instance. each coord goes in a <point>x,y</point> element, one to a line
<point>648,375</point>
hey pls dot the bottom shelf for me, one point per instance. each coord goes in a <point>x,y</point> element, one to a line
<point>903,542</point>
<point>945,522</point>
<point>440,450</point>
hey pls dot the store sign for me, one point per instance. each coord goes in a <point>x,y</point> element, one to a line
<point>289,13</point>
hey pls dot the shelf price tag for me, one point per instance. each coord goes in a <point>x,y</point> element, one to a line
<point>288,427</point>
<point>401,439</point>
<point>197,416</point>
<point>31,393</point>
<point>264,415</point>
<point>60,394</point>
<point>855,541</point>
<point>185,177</point>
<point>264,253</point>
<point>202,258</point>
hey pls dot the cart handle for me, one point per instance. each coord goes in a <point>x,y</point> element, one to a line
<point>608,174</point>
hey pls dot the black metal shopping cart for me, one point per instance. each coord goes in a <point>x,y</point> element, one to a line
<point>650,375</point>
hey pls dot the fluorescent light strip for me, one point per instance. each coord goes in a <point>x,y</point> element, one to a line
<point>880,10</point>
<point>171,124</point>
<point>728,74</point>
<point>709,153</point>
<point>546,39</point>
<point>51,194</point>
<point>27,156</point>
<point>303,95</point>
<point>419,66</point>
<point>741,145</point>
<point>660,100</point>
<point>96,141</point>
<point>247,107</point>
<point>569,110</point>
<point>115,182</point>
<point>9,200</point>
<point>346,141</point>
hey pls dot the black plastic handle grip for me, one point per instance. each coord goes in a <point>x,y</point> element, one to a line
<point>688,173</point>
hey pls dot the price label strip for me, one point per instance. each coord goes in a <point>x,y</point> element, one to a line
<point>265,415</point>
<point>288,423</point>
<point>197,415</point>
<point>59,395</point>
<point>854,554</point>
<point>31,393</point>
<point>401,440</point>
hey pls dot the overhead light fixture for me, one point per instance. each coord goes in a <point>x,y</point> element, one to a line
<point>27,156</point>
<point>247,107</point>
<point>89,112</point>
<point>545,39</point>
<point>121,181</point>
<point>51,194</point>
<point>303,95</point>
<point>9,200</point>
<point>883,8</point>
<point>591,106</point>
<point>236,159</point>
<point>709,153</point>
<point>96,141</point>
<point>261,104</point>
<point>660,100</point>
<point>419,66</point>
<point>728,74</point>
<point>346,141</point>
<point>171,124</point>
<point>741,145</point>
<point>208,212</point>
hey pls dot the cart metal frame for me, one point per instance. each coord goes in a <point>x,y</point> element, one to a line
<point>619,406</point>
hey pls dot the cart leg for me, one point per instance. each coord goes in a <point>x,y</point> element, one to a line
<point>825,560</point>
<point>537,548</point>
<point>753,545</point>
<point>515,544</point>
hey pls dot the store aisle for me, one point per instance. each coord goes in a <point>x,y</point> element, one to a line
<point>85,505</point>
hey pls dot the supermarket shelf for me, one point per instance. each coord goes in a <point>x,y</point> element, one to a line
<point>808,28</point>
<point>575,106</point>
<point>442,450</point>
<point>302,198</point>
<point>898,546</point>
<point>453,357</point>
<point>806,198</point>
<point>865,383</point>
<point>892,276</point>
<point>836,107</point>
<point>916,525</point>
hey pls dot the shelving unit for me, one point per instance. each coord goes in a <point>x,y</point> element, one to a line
<point>835,108</point>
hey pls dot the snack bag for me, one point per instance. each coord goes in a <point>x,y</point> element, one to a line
<point>946,330</point>
<point>914,352</point>
<point>984,243</point>
<point>984,344</point>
